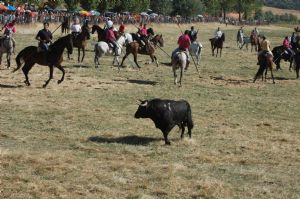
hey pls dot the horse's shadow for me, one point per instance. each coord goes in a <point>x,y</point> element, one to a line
<point>130,140</point>
<point>141,82</point>
<point>10,86</point>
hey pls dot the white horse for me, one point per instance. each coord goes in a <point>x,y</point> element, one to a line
<point>179,61</point>
<point>102,48</point>
<point>195,50</point>
<point>6,46</point>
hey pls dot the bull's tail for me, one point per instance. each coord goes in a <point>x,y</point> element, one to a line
<point>190,123</point>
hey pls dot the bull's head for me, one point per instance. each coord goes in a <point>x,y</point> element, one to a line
<point>142,111</point>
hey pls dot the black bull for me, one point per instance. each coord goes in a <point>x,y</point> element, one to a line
<point>166,114</point>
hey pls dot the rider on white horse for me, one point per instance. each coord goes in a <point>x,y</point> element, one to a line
<point>111,37</point>
<point>184,43</point>
<point>10,28</point>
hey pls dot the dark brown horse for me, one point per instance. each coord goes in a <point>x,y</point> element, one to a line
<point>134,48</point>
<point>254,42</point>
<point>265,62</point>
<point>297,63</point>
<point>100,32</point>
<point>80,42</point>
<point>217,44</point>
<point>53,57</point>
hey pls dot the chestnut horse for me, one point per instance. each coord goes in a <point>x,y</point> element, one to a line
<point>134,48</point>
<point>254,39</point>
<point>51,58</point>
<point>265,62</point>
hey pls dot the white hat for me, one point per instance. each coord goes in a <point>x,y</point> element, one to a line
<point>109,23</point>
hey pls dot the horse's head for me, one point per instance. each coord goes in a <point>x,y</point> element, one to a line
<point>94,28</point>
<point>86,31</point>
<point>69,43</point>
<point>158,39</point>
<point>223,37</point>
<point>150,31</point>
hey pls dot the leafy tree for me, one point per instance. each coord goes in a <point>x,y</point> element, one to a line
<point>89,4</point>
<point>187,8</point>
<point>72,4</point>
<point>161,6</point>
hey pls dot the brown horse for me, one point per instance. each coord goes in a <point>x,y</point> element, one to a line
<point>80,42</point>
<point>134,48</point>
<point>217,44</point>
<point>265,61</point>
<point>51,58</point>
<point>254,39</point>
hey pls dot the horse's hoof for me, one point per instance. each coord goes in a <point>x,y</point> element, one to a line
<point>59,81</point>
<point>44,85</point>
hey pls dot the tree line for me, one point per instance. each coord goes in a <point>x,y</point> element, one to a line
<point>185,8</point>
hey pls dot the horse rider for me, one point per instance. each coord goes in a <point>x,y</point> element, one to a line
<point>287,47</point>
<point>265,51</point>
<point>193,34</point>
<point>143,35</point>
<point>111,37</point>
<point>241,35</point>
<point>184,43</point>
<point>44,37</point>
<point>294,41</point>
<point>76,28</point>
<point>218,34</point>
<point>254,32</point>
<point>10,28</point>
<point>122,28</point>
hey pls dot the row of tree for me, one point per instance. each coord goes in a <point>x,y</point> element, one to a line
<point>185,8</point>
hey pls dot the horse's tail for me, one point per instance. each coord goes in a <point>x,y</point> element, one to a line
<point>23,54</point>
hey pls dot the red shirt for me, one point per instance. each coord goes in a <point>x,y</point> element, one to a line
<point>110,35</point>
<point>286,43</point>
<point>184,42</point>
<point>122,28</point>
<point>143,31</point>
<point>10,26</point>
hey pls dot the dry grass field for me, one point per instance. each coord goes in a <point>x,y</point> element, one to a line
<point>79,139</point>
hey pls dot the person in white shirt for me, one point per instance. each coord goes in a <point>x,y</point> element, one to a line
<point>76,28</point>
<point>218,33</point>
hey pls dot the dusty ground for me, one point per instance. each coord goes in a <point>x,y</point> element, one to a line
<point>80,140</point>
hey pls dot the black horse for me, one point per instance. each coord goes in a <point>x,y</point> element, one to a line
<point>297,63</point>
<point>51,58</point>
<point>217,44</point>
<point>100,32</point>
<point>279,53</point>
<point>65,25</point>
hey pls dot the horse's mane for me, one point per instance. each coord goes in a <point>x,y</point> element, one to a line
<point>59,40</point>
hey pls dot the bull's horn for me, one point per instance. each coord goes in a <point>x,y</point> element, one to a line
<point>144,104</point>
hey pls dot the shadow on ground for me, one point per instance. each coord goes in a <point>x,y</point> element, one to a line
<point>130,140</point>
<point>136,81</point>
<point>10,86</point>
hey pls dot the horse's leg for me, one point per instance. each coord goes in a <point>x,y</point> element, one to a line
<point>26,68</point>
<point>8,59</point>
<point>175,75</point>
<point>181,72</point>
<point>271,70</point>
<point>291,63</point>
<point>153,58</point>
<point>297,70</point>
<point>83,54</point>
<point>217,52</point>
<point>220,52</point>
<point>50,76</point>
<point>1,58</point>
<point>78,55</point>
<point>124,58</point>
<point>63,73</point>
<point>135,59</point>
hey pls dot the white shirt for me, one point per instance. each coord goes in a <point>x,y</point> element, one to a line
<point>218,34</point>
<point>75,28</point>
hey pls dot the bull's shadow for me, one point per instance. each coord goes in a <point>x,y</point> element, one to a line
<point>130,140</point>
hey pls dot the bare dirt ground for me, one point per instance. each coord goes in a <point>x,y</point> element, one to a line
<point>79,139</point>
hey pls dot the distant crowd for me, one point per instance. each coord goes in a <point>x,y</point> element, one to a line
<point>58,17</point>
